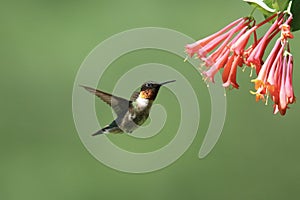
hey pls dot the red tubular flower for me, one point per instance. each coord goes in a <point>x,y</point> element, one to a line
<point>239,46</point>
<point>255,57</point>
<point>275,76</point>
<point>229,74</point>
<point>191,49</point>
<point>228,49</point>
<point>286,93</point>
<point>265,79</point>
<point>216,67</point>
<point>230,40</point>
<point>289,78</point>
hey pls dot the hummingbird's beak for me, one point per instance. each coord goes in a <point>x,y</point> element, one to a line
<point>163,83</point>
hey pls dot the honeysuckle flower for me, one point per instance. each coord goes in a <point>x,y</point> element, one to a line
<point>222,39</point>
<point>255,56</point>
<point>230,69</point>
<point>275,76</point>
<point>266,80</point>
<point>286,93</point>
<point>228,49</point>
<point>214,39</point>
<point>230,42</point>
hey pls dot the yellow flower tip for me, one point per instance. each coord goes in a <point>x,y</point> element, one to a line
<point>267,99</point>
<point>257,83</point>
<point>258,96</point>
<point>251,92</point>
<point>251,71</point>
<point>244,69</point>
<point>185,59</point>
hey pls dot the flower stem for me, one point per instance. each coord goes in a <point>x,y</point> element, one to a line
<point>253,10</point>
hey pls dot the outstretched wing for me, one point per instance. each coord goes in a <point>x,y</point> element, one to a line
<point>119,105</point>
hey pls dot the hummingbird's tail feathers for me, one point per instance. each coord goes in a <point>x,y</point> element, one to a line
<point>98,133</point>
<point>109,129</point>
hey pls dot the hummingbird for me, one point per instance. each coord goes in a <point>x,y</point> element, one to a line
<point>132,113</point>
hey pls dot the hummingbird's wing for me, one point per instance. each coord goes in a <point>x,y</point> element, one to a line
<point>119,105</point>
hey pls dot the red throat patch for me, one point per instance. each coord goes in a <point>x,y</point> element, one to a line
<point>147,94</point>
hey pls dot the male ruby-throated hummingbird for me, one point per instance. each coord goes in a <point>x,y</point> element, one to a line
<point>130,113</point>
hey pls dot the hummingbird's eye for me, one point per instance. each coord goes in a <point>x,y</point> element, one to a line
<point>148,84</point>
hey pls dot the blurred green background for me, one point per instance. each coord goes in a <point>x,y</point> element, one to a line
<point>43,44</point>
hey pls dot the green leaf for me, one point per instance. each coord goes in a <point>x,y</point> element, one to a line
<point>280,5</point>
<point>269,7</point>
<point>265,7</point>
<point>295,10</point>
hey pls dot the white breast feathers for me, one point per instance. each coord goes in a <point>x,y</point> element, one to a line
<point>142,103</point>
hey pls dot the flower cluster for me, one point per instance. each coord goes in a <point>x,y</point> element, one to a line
<point>227,49</point>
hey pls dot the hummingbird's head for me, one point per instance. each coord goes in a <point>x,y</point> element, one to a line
<point>150,89</point>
